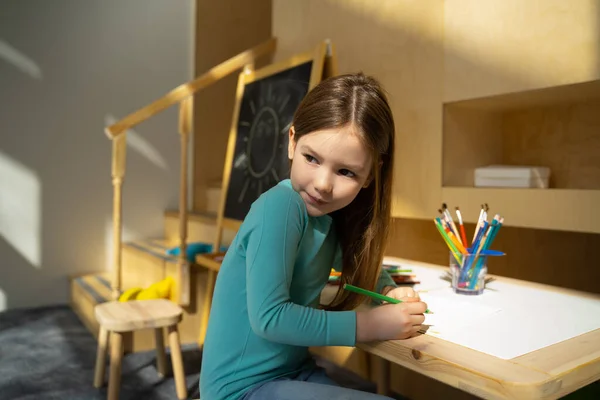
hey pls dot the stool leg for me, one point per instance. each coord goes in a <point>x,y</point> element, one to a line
<point>161,360</point>
<point>177,361</point>
<point>116,357</point>
<point>101,358</point>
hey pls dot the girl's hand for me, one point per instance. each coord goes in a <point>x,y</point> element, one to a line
<point>390,321</point>
<point>401,292</point>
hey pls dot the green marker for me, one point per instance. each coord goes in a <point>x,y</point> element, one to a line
<point>396,271</point>
<point>376,295</point>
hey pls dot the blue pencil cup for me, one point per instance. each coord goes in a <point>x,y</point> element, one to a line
<point>469,273</point>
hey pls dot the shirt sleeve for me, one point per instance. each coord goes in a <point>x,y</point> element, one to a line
<point>271,252</point>
<point>384,280</point>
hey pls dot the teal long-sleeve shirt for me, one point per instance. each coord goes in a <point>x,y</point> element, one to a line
<point>264,313</point>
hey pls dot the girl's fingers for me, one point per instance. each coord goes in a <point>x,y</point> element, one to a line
<point>410,333</point>
<point>416,329</point>
<point>410,299</point>
<point>417,319</point>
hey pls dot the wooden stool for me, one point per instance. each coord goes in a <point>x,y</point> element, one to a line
<point>119,317</point>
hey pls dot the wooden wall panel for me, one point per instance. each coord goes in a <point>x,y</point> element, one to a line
<point>224,28</point>
<point>565,138</point>
<point>494,47</point>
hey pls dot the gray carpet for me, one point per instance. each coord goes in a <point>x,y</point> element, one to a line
<point>46,353</point>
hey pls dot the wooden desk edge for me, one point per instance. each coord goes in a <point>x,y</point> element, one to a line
<point>555,380</point>
<point>471,380</point>
<point>206,261</point>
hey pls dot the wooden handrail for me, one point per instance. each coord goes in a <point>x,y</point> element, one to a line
<point>181,95</point>
<point>187,89</point>
<point>183,286</point>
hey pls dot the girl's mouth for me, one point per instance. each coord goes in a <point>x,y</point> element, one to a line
<point>314,200</point>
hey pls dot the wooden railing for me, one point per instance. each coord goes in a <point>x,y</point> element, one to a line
<point>181,95</point>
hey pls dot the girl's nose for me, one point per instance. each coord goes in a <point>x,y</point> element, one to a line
<point>323,183</point>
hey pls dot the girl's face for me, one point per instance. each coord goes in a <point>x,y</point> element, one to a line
<point>329,168</point>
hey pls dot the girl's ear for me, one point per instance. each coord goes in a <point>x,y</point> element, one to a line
<point>292,143</point>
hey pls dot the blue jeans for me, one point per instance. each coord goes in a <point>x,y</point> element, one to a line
<point>308,385</point>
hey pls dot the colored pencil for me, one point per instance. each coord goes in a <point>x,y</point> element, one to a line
<point>463,234</point>
<point>449,243</point>
<point>478,262</point>
<point>480,233</point>
<point>457,243</point>
<point>451,221</point>
<point>478,224</point>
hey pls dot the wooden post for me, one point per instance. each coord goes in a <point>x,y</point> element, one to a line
<point>118,173</point>
<point>116,359</point>
<point>183,270</point>
<point>101,357</point>
<point>331,64</point>
<point>177,362</point>
<point>211,279</point>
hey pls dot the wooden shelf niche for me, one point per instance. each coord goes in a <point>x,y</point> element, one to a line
<point>556,127</point>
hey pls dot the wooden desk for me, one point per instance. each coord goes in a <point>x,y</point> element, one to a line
<point>547,373</point>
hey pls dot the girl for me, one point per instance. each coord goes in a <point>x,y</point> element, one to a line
<point>333,211</point>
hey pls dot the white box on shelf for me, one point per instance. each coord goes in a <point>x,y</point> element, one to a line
<point>514,176</point>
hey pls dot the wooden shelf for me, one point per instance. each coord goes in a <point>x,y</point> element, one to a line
<point>545,97</point>
<point>553,209</point>
<point>556,127</point>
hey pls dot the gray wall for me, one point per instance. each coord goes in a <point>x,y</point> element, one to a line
<point>67,68</point>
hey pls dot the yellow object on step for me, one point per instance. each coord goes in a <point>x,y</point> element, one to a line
<point>158,290</point>
<point>163,288</point>
<point>130,294</point>
<point>148,294</point>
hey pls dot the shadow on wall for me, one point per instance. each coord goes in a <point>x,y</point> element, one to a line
<point>63,71</point>
<point>382,37</point>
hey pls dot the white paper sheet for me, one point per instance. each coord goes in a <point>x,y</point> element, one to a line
<point>507,320</point>
<point>452,312</point>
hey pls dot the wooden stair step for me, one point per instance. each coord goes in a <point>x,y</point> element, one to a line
<point>87,291</point>
<point>97,286</point>
<point>202,227</point>
<point>145,262</point>
<point>207,217</point>
<point>154,247</point>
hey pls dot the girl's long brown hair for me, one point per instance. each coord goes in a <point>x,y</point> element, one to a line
<point>362,226</point>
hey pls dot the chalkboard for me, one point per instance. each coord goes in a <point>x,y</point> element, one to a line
<point>260,158</point>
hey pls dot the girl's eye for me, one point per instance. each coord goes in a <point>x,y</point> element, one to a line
<point>347,173</point>
<point>310,158</point>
